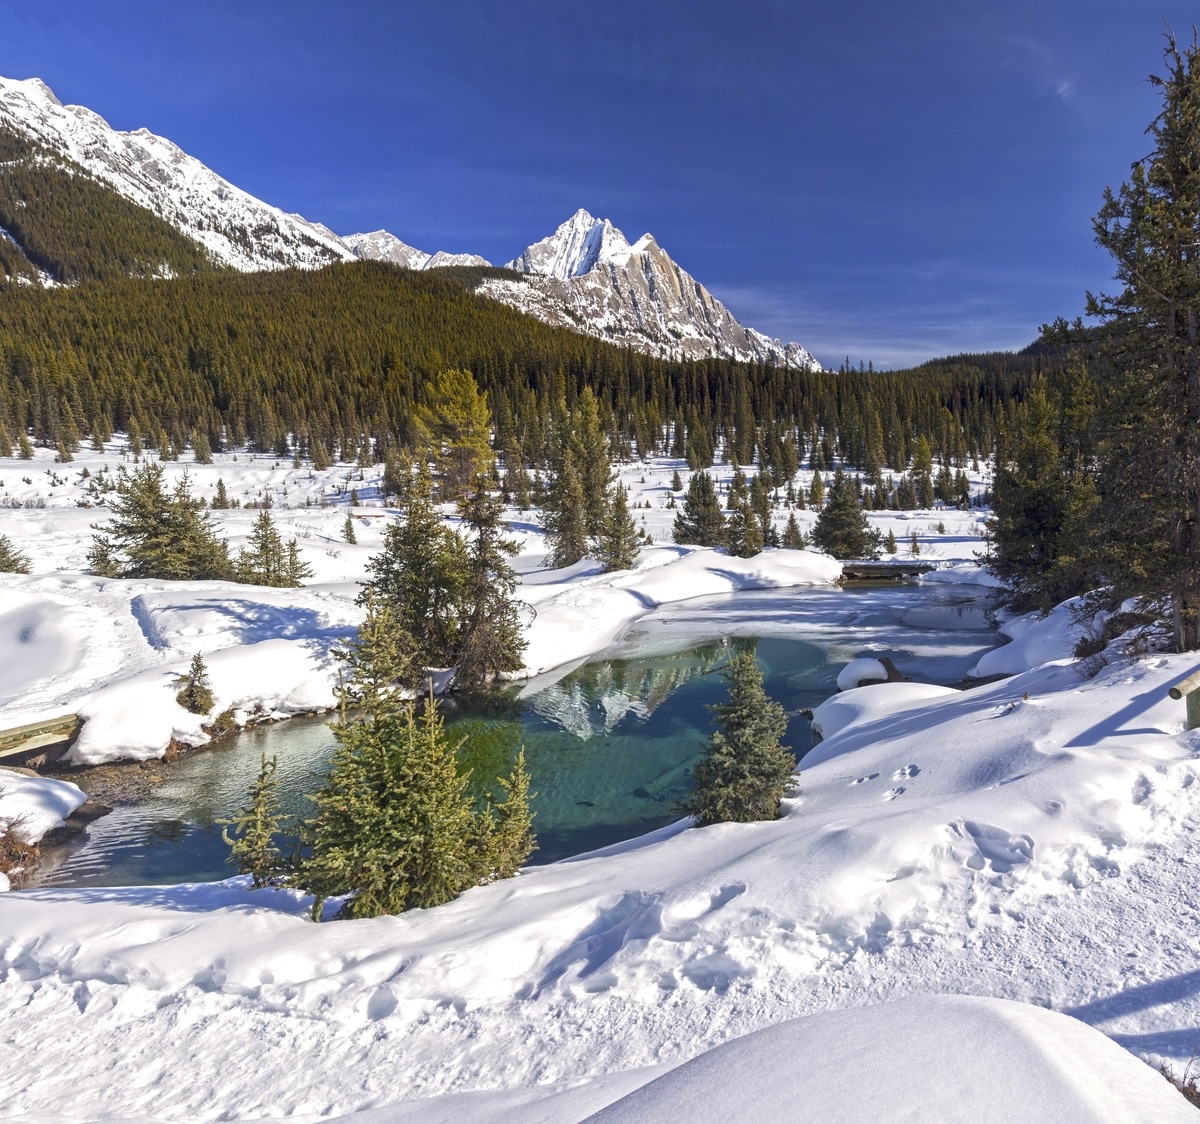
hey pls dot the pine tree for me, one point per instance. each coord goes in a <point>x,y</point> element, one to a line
<point>618,544</point>
<point>220,500</point>
<point>456,425</point>
<point>419,576</point>
<point>1149,480</point>
<point>252,848</point>
<point>12,561</point>
<point>195,691</point>
<point>793,537</point>
<point>156,534</point>
<point>348,534</point>
<point>816,491</point>
<point>265,560</point>
<point>378,660</point>
<point>564,516</point>
<point>701,521</point>
<point>889,543</point>
<point>509,840</point>
<point>745,772</point>
<point>743,535</point>
<point>842,528</point>
<point>490,637</point>
<point>201,447</point>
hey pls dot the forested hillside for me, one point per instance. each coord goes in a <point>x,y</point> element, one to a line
<point>344,353</point>
<point>63,222</point>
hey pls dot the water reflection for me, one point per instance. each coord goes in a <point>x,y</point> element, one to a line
<point>609,745</point>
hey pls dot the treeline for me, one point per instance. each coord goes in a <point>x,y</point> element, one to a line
<point>63,222</point>
<point>344,357</point>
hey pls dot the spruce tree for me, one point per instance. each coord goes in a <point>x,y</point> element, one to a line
<point>252,847</point>
<point>456,425</point>
<point>617,545</point>
<point>195,691</point>
<point>220,500</point>
<point>745,771</point>
<point>348,534</point>
<point>12,561</point>
<point>565,517</point>
<point>491,641</point>
<point>701,521</point>
<point>793,537</point>
<point>743,535</point>
<point>841,528</point>
<point>156,534</point>
<point>419,576</point>
<point>1149,477</point>
<point>265,560</point>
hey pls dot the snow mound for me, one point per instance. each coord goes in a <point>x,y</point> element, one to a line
<point>858,706</point>
<point>32,806</point>
<point>1036,640</point>
<point>943,1057</point>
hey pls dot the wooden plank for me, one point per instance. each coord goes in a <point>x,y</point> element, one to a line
<point>34,735</point>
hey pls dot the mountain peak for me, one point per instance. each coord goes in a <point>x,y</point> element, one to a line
<point>575,248</point>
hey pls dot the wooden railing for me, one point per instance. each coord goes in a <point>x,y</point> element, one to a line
<point>34,735</point>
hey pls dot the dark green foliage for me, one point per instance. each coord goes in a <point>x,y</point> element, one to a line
<point>1042,509</point>
<point>745,772</point>
<point>490,639</point>
<point>265,560</point>
<point>157,534</point>
<point>396,826</point>
<point>841,528</point>
<point>195,691</point>
<point>565,516</point>
<point>701,521</point>
<point>12,561</point>
<point>1149,462</point>
<point>889,543</point>
<point>743,534</point>
<point>793,537</point>
<point>348,531</point>
<point>252,848</point>
<point>616,546</point>
<point>379,659</point>
<point>77,229</point>
<point>419,576</point>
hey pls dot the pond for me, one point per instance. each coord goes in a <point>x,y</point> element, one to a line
<point>609,744</point>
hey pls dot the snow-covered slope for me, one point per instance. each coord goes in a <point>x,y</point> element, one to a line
<point>588,277</point>
<point>238,229</point>
<point>380,245</point>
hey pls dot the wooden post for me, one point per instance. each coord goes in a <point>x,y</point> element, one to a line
<point>1189,689</point>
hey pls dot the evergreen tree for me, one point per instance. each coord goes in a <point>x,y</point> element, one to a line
<point>793,537</point>
<point>701,522</point>
<point>745,772</point>
<point>195,691</point>
<point>265,560</point>
<point>1149,479</point>
<point>889,543</point>
<point>617,545</point>
<point>816,491</point>
<point>348,534</point>
<point>564,516</point>
<point>252,848</point>
<point>156,534</point>
<point>201,448</point>
<point>12,561</point>
<point>509,840</point>
<point>419,576</point>
<point>490,637</point>
<point>220,500</point>
<point>743,535</point>
<point>1041,515</point>
<point>842,528</point>
<point>378,661</point>
<point>456,425</point>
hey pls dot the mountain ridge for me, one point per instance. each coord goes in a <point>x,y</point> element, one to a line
<point>585,276</point>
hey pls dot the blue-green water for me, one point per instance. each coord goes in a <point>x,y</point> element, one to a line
<point>609,745</point>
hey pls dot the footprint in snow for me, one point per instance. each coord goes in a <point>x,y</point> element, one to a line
<point>906,773</point>
<point>863,780</point>
<point>892,793</point>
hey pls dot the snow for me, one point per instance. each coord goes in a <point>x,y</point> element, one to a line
<point>859,671</point>
<point>32,806</point>
<point>1035,640</point>
<point>1032,840</point>
<point>924,1058</point>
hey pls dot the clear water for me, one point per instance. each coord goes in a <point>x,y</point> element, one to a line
<point>609,745</point>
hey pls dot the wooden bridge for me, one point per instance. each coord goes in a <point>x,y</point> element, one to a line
<point>865,569</point>
<point>39,735</point>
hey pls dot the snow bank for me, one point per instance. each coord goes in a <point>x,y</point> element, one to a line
<point>1031,839</point>
<point>859,671</point>
<point>1036,640</point>
<point>580,616</point>
<point>947,1057</point>
<point>32,806</point>
<point>861,705</point>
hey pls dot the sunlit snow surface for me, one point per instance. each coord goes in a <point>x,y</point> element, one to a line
<point>1030,840</point>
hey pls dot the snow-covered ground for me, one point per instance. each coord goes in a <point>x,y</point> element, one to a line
<point>1031,840</point>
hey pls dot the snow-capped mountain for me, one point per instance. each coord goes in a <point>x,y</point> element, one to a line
<point>380,245</point>
<point>588,277</point>
<point>235,227</point>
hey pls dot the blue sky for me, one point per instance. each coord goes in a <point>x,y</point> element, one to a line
<point>886,180</point>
